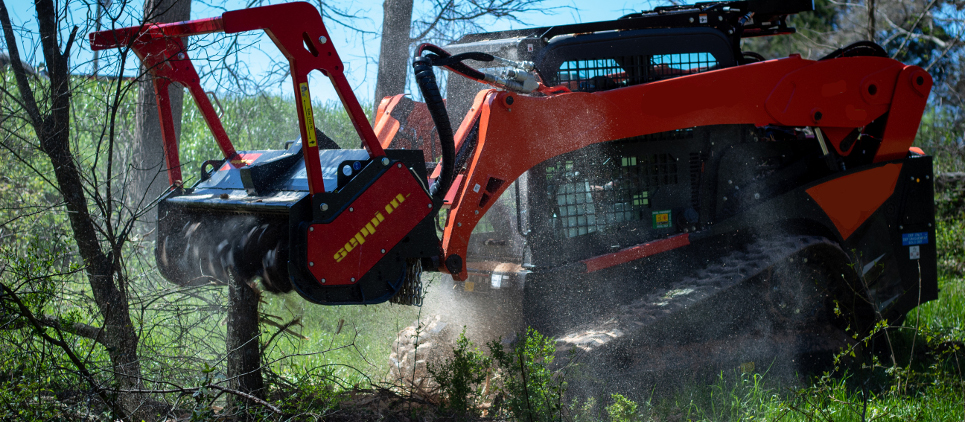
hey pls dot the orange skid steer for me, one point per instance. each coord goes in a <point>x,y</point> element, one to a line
<point>636,145</point>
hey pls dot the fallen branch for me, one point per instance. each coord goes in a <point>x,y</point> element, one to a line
<point>213,386</point>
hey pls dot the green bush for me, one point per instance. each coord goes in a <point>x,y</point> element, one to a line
<point>461,378</point>
<point>532,391</point>
<point>623,410</point>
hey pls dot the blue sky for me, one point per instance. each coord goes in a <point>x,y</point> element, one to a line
<point>359,51</point>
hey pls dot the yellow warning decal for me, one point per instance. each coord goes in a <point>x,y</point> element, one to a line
<point>307,112</point>
<point>661,219</point>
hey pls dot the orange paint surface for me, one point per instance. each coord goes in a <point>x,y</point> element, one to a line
<point>850,200</point>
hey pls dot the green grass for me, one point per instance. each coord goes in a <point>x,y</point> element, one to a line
<point>351,342</point>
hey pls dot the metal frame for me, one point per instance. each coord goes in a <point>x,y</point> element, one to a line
<point>297,30</point>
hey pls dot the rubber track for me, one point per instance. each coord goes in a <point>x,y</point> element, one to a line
<point>722,316</point>
<point>668,303</point>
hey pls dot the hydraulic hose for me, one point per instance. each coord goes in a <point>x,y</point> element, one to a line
<point>437,109</point>
<point>454,66</point>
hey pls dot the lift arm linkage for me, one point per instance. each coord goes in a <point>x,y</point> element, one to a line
<point>296,29</point>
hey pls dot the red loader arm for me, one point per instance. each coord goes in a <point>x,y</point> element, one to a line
<point>296,29</point>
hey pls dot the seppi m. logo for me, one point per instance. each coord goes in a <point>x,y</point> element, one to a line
<point>368,229</point>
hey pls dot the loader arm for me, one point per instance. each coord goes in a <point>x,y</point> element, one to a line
<point>510,133</point>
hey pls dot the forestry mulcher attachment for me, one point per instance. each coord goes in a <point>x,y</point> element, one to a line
<point>636,171</point>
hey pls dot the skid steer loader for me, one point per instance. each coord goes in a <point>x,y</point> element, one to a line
<point>646,164</point>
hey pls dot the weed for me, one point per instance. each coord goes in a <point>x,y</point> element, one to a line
<point>585,412</point>
<point>623,410</point>
<point>462,377</point>
<point>532,392</point>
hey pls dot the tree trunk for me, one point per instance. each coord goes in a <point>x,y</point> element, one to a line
<point>394,50</point>
<point>244,351</point>
<point>52,128</point>
<point>150,177</point>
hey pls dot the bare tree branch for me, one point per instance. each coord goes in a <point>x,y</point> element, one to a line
<point>29,102</point>
<point>241,394</point>
<point>921,16</point>
<point>79,364</point>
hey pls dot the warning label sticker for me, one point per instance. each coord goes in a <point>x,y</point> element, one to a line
<point>661,219</point>
<point>307,112</point>
<point>909,239</point>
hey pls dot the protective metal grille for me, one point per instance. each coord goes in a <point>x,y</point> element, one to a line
<point>668,66</point>
<point>589,195</point>
<point>697,160</point>
<point>590,75</point>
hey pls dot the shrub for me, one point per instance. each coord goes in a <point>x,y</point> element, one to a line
<point>461,377</point>
<point>532,392</point>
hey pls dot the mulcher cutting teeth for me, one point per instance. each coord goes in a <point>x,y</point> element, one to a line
<point>197,248</point>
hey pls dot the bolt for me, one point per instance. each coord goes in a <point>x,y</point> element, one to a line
<point>399,165</point>
<point>385,161</point>
<point>311,264</point>
<point>730,182</point>
<point>383,250</point>
<point>927,177</point>
<point>901,227</point>
<point>429,205</point>
<point>757,196</point>
<point>477,212</point>
<point>323,207</point>
<point>929,224</point>
<point>350,209</point>
<point>323,281</point>
<point>691,20</point>
<point>311,229</point>
<point>913,178</point>
<point>720,18</point>
<point>725,198</point>
<point>181,56</point>
<point>353,279</point>
<point>805,260</point>
<point>322,39</point>
<point>458,224</point>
